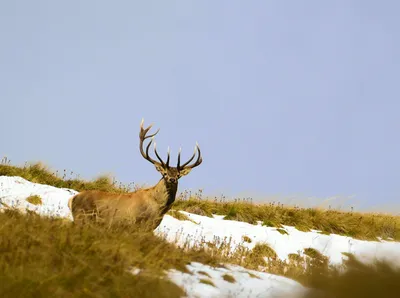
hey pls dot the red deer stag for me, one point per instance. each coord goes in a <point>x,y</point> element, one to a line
<point>148,204</point>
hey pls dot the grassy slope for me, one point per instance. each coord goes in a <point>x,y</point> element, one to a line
<point>366,226</point>
<point>41,256</point>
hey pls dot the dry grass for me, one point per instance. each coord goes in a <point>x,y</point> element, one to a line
<point>366,226</point>
<point>229,278</point>
<point>35,200</point>
<point>180,216</point>
<point>39,173</point>
<point>42,257</point>
<point>207,282</point>
<point>46,257</point>
<point>359,280</point>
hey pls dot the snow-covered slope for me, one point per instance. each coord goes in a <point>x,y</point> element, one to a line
<point>247,283</point>
<point>15,190</point>
<point>216,229</point>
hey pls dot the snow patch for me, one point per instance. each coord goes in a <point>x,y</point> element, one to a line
<point>15,190</point>
<point>247,283</point>
<point>211,230</point>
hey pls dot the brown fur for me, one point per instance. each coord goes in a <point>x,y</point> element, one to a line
<point>145,204</point>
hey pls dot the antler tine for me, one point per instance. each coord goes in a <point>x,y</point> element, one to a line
<point>158,156</point>
<point>179,158</point>
<point>167,163</point>
<point>143,131</point>
<point>198,161</point>
<point>143,137</point>
<point>148,147</point>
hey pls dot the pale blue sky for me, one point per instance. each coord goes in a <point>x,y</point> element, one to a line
<point>284,97</point>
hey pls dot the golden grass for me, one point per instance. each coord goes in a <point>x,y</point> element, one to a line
<point>207,282</point>
<point>359,280</point>
<point>180,216</point>
<point>39,173</point>
<point>35,200</point>
<point>366,226</point>
<point>229,278</point>
<point>46,257</point>
<point>41,256</point>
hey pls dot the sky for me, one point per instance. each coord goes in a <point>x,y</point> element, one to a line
<point>294,99</point>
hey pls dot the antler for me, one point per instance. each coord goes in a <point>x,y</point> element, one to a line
<point>185,165</point>
<point>143,137</point>
<point>145,154</point>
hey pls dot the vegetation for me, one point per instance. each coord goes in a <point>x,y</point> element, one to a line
<point>35,200</point>
<point>207,282</point>
<point>45,257</point>
<point>39,173</point>
<point>359,280</point>
<point>42,256</point>
<point>366,226</point>
<point>229,278</point>
<point>180,216</point>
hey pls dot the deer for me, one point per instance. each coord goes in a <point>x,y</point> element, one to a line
<point>144,205</point>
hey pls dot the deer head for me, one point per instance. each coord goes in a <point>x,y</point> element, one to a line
<point>170,174</point>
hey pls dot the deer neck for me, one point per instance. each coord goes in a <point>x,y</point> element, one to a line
<point>165,193</point>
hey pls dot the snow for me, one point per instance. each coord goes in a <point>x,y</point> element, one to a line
<point>247,283</point>
<point>215,229</point>
<point>15,190</point>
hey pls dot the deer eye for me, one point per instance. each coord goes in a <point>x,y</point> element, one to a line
<point>165,174</point>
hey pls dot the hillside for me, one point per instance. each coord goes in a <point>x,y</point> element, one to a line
<point>202,248</point>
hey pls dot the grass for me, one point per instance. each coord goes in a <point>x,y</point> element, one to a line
<point>282,231</point>
<point>247,239</point>
<point>359,280</point>
<point>207,282</point>
<point>204,273</point>
<point>35,200</point>
<point>365,226</point>
<point>180,216</point>
<point>229,278</point>
<point>39,173</point>
<point>42,256</point>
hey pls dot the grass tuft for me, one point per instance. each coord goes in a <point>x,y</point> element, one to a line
<point>282,231</point>
<point>35,200</point>
<point>204,273</point>
<point>180,216</point>
<point>207,282</point>
<point>229,278</point>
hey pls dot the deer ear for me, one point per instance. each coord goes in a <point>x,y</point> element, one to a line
<point>185,171</point>
<point>159,168</point>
